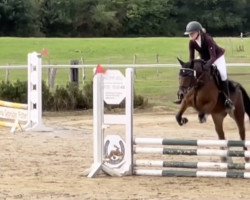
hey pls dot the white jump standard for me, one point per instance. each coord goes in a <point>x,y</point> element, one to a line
<point>30,113</point>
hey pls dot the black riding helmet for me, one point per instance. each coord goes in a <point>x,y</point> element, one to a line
<point>193,26</point>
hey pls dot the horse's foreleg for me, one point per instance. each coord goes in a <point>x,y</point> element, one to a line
<point>182,120</point>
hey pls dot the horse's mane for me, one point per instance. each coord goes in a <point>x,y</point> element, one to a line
<point>199,60</point>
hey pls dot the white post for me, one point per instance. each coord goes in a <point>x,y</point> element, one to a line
<point>35,122</point>
<point>129,120</point>
<point>98,105</point>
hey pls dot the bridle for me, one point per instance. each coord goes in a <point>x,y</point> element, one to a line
<point>192,75</point>
<point>194,80</point>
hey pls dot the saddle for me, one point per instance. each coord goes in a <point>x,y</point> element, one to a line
<point>216,75</point>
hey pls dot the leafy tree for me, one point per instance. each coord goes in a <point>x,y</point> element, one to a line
<point>18,18</point>
<point>57,17</point>
<point>220,17</point>
<point>105,21</point>
<point>97,18</point>
<point>150,18</point>
<point>77,18</point>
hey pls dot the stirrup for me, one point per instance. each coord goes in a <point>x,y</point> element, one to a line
<point>229,104</point>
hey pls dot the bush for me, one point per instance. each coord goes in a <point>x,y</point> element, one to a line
<point>69,97</point>
<point>16,92</point>
<point>140,101</point>
<point>88,94</point>
<point>47,98</point>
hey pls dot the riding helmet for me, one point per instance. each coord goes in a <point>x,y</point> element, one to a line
<point>193,26</point>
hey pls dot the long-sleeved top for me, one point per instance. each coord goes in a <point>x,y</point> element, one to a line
<point>209,50</point>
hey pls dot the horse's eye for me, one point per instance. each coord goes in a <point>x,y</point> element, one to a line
<point>182,72</point>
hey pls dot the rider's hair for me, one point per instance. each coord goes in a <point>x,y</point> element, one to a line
<point>203,30</point>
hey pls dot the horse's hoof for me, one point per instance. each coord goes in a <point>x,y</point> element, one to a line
<point>202,117</point>
<point>203,120</point>
<point>184,120</point>
<point>181,120</point>
<point>178,119</point>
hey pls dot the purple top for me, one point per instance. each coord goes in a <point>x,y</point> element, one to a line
<point>209,50</point>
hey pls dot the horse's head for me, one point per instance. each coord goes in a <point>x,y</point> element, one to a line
<point>188,75</point>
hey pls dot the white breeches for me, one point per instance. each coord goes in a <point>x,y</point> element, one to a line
<point>221,66</point>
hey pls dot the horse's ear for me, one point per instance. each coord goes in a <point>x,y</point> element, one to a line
<point>180,61</point>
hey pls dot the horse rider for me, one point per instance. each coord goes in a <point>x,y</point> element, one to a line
<point>210,52</point>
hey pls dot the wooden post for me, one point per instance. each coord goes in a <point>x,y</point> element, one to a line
<point>157,61</point>
<point>74,72</point>
<point>52,78</point>
<point>49,72</point>
<point>83,71</point>
<point>7,75</point>
<point>134,62</point>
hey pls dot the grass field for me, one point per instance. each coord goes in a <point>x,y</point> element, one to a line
<point>158,86</point>
<point>111,50</point>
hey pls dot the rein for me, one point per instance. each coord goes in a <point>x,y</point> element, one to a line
<point>194,82</point>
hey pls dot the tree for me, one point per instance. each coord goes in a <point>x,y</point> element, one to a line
<point>150,18</point>
<point>57,17</point>
<point>18,18</point>
<point>220,17</point>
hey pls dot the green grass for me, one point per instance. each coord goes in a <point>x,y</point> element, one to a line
<point>110,50</point>
<point>158,86</point>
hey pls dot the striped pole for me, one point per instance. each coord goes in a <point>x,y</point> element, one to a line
<point>6,124</point>
<point>221,143</point>
<point>13,105</point>
<point>192,165</point>
<point>192,152</point>
<point>176,173</point>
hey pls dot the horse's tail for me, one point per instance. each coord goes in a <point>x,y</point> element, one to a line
<point>246,100</point>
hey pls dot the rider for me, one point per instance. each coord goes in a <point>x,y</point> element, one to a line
<point>210,52</point>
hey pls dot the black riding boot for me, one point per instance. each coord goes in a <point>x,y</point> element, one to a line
<point>228,102</point>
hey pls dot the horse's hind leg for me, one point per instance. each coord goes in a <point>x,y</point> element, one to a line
<point>218,122</point>
<point>239,119</point>
<point>202,117</point>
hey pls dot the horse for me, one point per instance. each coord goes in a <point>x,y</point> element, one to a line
<point>200,89</point>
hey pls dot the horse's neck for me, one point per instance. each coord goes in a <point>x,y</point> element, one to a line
<point>206,80</point>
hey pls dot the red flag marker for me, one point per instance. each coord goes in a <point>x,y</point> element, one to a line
<point>45,52</point>
<point>100,70</point>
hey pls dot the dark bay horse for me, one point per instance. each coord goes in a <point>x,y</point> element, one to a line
<point>200,89</point>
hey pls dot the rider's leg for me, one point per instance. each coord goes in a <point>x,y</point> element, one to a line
<point>221,66</point>
<point>228,102</point>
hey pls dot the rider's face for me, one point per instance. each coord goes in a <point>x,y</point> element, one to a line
<point>194,35</point>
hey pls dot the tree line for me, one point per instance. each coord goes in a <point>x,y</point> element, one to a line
<point>121,18</point>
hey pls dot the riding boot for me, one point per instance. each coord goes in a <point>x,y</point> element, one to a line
<point>228,102</point>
